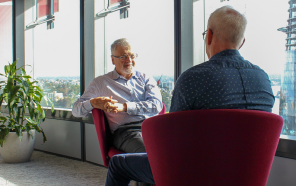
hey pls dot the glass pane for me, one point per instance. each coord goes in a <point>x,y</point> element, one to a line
<point>43,7</point>
<point>54,54</point>
<point>150,30</point>
<point>5,34</point>
<point>270,44</point>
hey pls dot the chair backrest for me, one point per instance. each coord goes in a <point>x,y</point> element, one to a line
<point>105,136</point>
<point>103,133</point>
<point>212,147</point>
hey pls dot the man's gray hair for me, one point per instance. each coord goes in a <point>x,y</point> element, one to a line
<point>228,25</point>
<point>119,42</point>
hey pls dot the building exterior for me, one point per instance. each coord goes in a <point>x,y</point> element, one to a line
<point>56,96</point>
<point>288,80</point>
<point>168,85</point>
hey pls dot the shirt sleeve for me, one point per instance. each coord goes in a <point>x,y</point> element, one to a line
<point>152,104</point>
<point>82,106</point>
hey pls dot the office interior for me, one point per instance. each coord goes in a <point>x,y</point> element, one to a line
<point>64,44</point>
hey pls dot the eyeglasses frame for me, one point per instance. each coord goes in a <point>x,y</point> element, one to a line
<point>129,56</point>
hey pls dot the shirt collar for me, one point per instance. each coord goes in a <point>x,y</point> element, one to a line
<point>228,52</point>
<point>115,75</point>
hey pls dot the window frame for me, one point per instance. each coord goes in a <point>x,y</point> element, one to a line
<point>183,11</point>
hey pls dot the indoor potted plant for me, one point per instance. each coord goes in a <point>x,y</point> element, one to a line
<point>22,97</point>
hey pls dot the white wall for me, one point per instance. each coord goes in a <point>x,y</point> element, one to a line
<point>63,137</point>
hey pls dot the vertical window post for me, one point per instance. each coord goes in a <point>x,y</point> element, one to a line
<point>50,24</point>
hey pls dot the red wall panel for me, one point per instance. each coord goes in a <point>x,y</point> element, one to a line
<point>2,1</point>
<point>114,1</point>
<point>5,35</point>
<point>43,7</point>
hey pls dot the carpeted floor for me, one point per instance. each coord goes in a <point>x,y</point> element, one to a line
<point>46,169</point>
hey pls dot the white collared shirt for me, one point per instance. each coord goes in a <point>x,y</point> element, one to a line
<point>140,93</point>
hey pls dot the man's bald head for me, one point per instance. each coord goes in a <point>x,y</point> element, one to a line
<point>228,25</point>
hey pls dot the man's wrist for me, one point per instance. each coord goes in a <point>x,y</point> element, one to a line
<point>124,107</point>
<point>90,101</point>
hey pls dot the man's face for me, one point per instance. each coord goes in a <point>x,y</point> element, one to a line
<point>123,67</point>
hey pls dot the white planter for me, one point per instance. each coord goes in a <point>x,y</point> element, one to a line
<point>16,151</point>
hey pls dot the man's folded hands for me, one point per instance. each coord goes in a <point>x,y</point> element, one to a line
<point>108,104</point>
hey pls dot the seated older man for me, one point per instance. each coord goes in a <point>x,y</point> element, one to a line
<point>126,96</point>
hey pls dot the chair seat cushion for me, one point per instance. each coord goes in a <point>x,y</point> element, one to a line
<point>113,151</point>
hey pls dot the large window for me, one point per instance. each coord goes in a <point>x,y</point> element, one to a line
<point>150,29</point>
<point>5,33</point>
<point>54,54</point>
<point>267,40</point>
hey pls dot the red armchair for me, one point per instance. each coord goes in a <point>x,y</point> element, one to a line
<point>105,136</point>
<point>212,147</point>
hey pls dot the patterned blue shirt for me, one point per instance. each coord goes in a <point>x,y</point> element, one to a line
<point>226,81</point>
<point>140,93</point>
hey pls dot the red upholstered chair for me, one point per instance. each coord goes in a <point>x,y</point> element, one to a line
<point>212,147</point>
<point>105,136</point>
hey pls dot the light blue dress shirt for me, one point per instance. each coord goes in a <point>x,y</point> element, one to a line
<point>140,93</point>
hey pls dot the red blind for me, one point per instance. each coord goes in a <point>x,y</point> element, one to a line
<point>114,1</point>
<point>43,7</point>
<point>2,1</point>
<point>5,35</point>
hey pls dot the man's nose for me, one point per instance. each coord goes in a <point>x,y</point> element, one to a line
<point>128,58</point>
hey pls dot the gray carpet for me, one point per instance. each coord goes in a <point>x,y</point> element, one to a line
<point>47,169</point>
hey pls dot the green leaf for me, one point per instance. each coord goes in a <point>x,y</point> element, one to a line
<point>51,103</point>
<point>40,94</point>
<point>18,114</point>
<point>7,69</point>
<point>31,121</point>
<point>3,134</point>
<point>44,137</point>
<point>1,99</point>
<point>31,108</point>
<point>29,130</point>
<point>37,100</point>
<point>26,85</point>
<point>13,93</point>
<point>23,72</point>
<point>3,118</point>
<point>43,115</point>
<point>19,81</point>
<point>37,128</point>
<point>38,88</point>
<point>35,82</point>
<point>39,108</point>
<point>19,132</point>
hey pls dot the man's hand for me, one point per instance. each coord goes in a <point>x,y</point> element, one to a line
<point>102,102</point>
<point>116,107</point>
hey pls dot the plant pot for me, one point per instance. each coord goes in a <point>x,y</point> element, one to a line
<point>16,151</point>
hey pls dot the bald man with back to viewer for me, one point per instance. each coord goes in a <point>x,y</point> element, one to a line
<point>226,81</point>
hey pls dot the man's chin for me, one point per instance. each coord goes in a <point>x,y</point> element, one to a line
<point>129,70</point>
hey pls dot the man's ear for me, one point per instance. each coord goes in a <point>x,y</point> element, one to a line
<point>242,43</point>
<point>209,36</point>
<point>112,60</point>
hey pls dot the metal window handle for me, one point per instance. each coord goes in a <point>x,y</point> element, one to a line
<point>39,22</point>
<point>105,12</point>
<point>49,19</point>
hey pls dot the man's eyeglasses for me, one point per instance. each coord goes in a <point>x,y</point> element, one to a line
<point>204,33</point>
<point>125,57</point>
